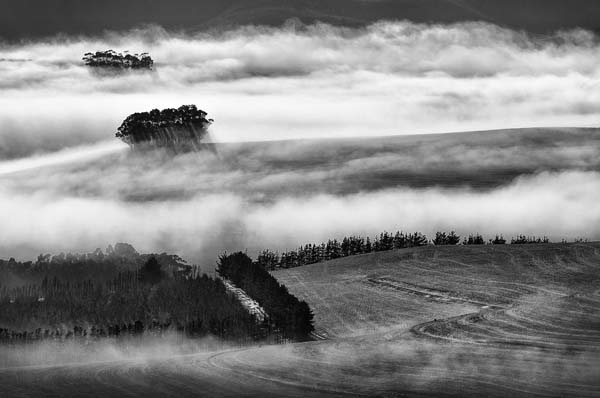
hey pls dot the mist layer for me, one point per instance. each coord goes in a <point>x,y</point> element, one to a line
<point>264,83</point>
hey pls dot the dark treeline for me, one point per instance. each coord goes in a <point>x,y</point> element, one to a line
<point>292,317</point>
<point>98,266</point>
<point>348,246</point>
<point>146,300</point>
<point>522,239</point>
<point>112,59</point>
<point>443,238</point>
<point>353,245</point>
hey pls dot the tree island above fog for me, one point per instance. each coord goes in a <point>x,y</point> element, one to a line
<point>178,129</point>
<point>112,60</point>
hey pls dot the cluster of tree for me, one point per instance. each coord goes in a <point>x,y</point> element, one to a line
<point>98,265</point>
<point>292,317</point>
<point>522,239</point>
<point>186,123</point>
<point>146,300</point>
<point>443,238</point>
<point>348,246</point>
<point>498,240</point>
<point>476,240</point>
<point>112,59</point>
<point>451,238</point>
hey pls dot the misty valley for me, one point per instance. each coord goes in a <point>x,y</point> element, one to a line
<point>388,199</point>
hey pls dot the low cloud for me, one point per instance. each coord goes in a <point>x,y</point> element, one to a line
<point>68,184</point>
<point>280,195</point>
<point>263,83</point>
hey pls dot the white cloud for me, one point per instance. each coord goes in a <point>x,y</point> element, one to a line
<point>560,205</point>
<point>269,83</point>
<point>263,83</point>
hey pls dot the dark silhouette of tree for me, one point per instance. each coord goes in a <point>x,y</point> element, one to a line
<point>99,265</point>
<point>151,272</point>
<point>124,305</point>
<point>332,249</point>
<point>474,240</point>
<point>498,240</point>
<point>443,238</point>
<point>354,245</point>
<point>292,316</point>
<point>522,239</point>
<point>110,59</point>
<point>184,126</point>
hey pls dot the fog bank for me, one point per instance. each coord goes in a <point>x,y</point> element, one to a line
<point>262,83</point>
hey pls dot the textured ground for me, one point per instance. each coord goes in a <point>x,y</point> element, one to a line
<point>452,321</point>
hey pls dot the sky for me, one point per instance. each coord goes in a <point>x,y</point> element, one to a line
<point>27,19</point>
<point>289,104</point>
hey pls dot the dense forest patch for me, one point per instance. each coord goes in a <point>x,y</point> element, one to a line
<point>99,265</point>
<point>123,293</point>
<point>131,302</point>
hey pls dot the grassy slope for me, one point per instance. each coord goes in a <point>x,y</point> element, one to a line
<point>402,288</point>
<point>538,336</point>
<point>515,320</point>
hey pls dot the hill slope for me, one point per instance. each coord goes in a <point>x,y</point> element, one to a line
<point>496,321</point>
<point>398,289</point>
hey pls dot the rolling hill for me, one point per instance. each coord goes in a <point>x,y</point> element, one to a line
<point>505,306</point>
<point>514,320</point>
<point>360,294</point>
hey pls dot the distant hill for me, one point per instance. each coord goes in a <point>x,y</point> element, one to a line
<point>37,18</point>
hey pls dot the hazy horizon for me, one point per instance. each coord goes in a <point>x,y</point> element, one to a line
<point>298,122</point>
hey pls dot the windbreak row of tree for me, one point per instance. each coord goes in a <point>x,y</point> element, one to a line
<point>292,317</point>
<point>353,245</point>
<point>112,59</point>
<point>348,246</point>
<point>522,239</point>
<point>148,126</point>
<point>133,302</point>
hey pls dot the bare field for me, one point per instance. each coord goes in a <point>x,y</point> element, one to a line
<point>515,320</point>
